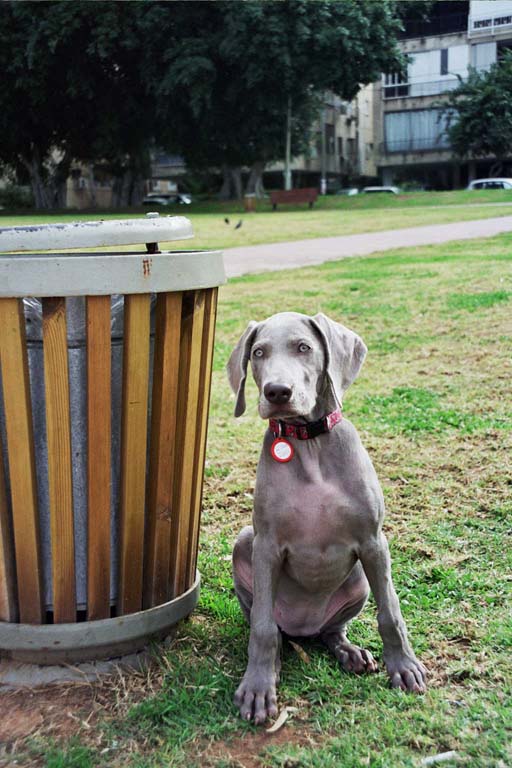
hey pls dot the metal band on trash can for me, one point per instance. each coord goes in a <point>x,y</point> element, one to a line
<point>89,640</point>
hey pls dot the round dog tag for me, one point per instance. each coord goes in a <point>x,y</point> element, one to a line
<point>281,450</point>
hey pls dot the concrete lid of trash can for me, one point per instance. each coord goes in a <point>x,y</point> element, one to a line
<point>103,274</point>
<point>95,234</point>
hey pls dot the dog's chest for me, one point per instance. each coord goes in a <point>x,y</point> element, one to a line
<point>315,537</point>
<point>312,513</point>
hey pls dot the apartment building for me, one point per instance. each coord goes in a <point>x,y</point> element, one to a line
<point>409,127</point>
<point>342,149</point>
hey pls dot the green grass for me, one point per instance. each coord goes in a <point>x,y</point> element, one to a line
<point>432,405</point>
<point>331,216</point>
<point>408,410</point>
<point>71,757</point>
<point>473,301</point>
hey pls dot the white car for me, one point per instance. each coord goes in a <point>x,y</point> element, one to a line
<point>490,184</point>
<point>391,190</point>
<point>179,198</point>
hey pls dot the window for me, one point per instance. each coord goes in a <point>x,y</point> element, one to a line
<point>495,185</point>
<point>444,61</point>
<point>340,146</point>
<point>352,150</point>
<point>330,146</point>
<point>415,130</point>
<point>394,86</point>
<point>483,55</point>
<point>504,46</point>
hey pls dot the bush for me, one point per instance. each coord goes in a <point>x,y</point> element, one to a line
<point>14,196</point>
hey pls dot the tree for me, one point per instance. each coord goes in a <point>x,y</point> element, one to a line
<point>479,114</point>
<point>235,66</point>
<point>73,88</point>
<point>106,81</point>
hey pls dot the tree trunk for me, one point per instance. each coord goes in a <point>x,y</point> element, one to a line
<point>137,190</point>
<point>496,168</point>
<point>91,183</point>
<point>39,189</point>
<point>255,180</point>
<point>48,180</point>
<point>225,190</point>
<point>231,183</point>
<point>236,180</point>
<point>121,189</point>
<point>58,179</point>
<point>128,188</point>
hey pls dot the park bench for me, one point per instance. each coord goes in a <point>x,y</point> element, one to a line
<point>289,196</point>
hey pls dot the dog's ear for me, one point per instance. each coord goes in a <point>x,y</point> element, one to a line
<point>237,365</point>
<point>345,352</point>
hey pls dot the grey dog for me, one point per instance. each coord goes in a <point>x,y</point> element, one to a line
<point>316,546</point>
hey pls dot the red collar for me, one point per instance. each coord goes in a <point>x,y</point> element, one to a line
<point>305,431</point>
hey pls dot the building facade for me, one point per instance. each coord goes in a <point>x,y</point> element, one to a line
<point>342,150</point>
<point>412,146</point>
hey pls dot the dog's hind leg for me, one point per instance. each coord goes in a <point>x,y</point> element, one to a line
<point>352,595</point>
<point>242,569</point>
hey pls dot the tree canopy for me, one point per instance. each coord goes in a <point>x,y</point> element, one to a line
<point>233,83</point>
<point>480,113</point>
<point>107,81</point>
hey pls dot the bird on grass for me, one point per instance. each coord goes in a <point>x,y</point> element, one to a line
<point>226,221</point>
<point>239,224</point>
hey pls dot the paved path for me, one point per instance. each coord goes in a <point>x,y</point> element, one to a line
<point>302,253</point>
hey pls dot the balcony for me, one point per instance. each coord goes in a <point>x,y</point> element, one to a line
<point>445,24</point>
<point>415,144</point>
<point>412,89</point>
<point>480,26</point>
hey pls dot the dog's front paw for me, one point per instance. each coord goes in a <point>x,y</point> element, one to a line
<point>406,672</point>
<point>256,697</point>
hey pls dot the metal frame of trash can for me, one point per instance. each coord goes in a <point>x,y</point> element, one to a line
<point>161,480</point>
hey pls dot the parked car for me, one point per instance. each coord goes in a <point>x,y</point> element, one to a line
<point>349,191</point>
<point>372,190</point>
<point>490,184</point>
<point>175,198</point>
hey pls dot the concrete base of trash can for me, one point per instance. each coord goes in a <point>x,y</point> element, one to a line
<point>90,640</point>
<point>17,674</point>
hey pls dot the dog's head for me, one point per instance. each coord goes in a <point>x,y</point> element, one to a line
<point>302,365</point>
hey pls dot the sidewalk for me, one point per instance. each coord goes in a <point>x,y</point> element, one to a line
<point>302,253</point>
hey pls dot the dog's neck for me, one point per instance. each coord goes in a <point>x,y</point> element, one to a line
<point>305,430</point>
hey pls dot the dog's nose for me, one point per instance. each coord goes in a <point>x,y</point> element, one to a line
<point>277,393</point>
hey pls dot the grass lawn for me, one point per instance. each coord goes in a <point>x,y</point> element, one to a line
<point>433,407</point>
<point>332,215</point>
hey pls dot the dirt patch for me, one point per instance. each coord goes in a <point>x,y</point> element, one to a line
<point>247,751</point>
<point>60,711</point>
<point>51,711</point>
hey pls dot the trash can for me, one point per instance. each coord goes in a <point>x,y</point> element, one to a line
<point>249,203</point>
<point>105,361</point>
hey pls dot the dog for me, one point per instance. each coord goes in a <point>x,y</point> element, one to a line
<point>316,547</point>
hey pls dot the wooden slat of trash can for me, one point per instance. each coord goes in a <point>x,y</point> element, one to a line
<point>60,482</point>
<point>190,366</point>
<point>99,441</point>
<point>133,449</point>
<point>7,593</point>
<point>202,428</point>
<point>20,447</point>
<point>164,408</point>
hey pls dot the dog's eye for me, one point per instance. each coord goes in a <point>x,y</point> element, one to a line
<point>304,348</point>
<point>257,353</point>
